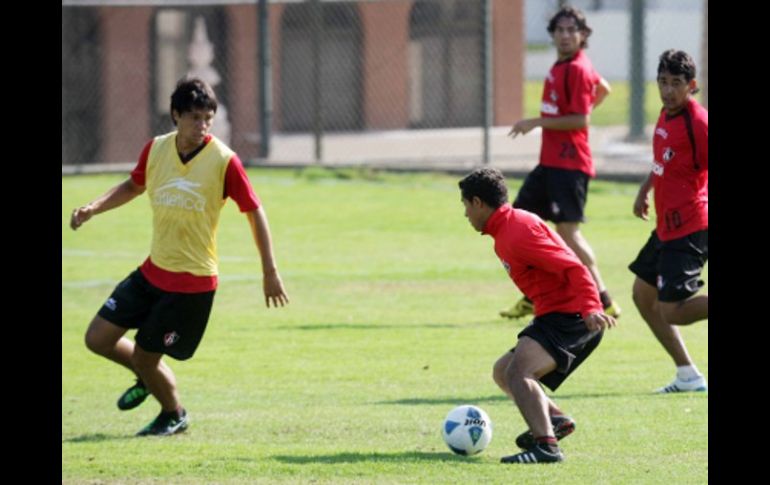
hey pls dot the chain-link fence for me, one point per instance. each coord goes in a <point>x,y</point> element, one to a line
<point>329,81</point>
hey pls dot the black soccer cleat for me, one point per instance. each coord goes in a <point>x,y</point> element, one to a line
<point>562,426</point>
<point>133,397</point>
<point>536,454</point>
<point>166,424</point>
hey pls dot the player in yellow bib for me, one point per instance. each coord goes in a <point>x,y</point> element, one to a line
<point>187,174</point>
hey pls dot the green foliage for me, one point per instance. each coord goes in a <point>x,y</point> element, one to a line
<point>392,322</point>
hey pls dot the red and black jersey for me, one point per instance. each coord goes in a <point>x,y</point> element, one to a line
<point>570,88</point>
<point>681,172</point>
<point>541,264</point>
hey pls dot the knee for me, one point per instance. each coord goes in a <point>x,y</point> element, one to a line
<point>514,374</point>
<point>670,312</point>
<point>498,374</point>
<point>96,344</point>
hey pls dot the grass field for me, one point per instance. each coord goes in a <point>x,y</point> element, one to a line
<point>392,322</point>
<point>615,110</point>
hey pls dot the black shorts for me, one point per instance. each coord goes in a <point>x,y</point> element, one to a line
<point>673,267</point>
<point>555,194</point>
<point>168,323</point>
<point>566,338</point>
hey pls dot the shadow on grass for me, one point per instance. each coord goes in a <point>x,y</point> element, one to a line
<point>499,398</point>
<point>446,400</point>
<point>97,438</point>
<point>380,326</point>
<point>603,395</point>
<point>398,457</point>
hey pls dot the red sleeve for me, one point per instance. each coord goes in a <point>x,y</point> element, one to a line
<point>238,187</point>
<point>138,174</point>
<point>582,87</point>
<point>543,252</point>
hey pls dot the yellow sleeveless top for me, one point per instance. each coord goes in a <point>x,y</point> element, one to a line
<point>186,200</point>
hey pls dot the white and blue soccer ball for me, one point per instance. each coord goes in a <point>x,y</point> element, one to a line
<point>467,430</point>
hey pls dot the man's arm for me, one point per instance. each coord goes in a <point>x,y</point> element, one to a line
<point>603,90</point>
<point>566,122</point>
<point>642,203</point>
<point>115,197</point>
<point>271,280</point>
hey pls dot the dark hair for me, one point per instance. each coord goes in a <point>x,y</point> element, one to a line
<point>580,20</point>
<point>677,62</point>
<point>488,184</point>
<point>192,93</point>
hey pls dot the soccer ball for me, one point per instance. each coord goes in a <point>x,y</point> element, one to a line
<point>467,430</point>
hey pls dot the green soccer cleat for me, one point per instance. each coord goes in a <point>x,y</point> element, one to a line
<point>522,308</point>
<point>166,424</point>
<point>134,396</point>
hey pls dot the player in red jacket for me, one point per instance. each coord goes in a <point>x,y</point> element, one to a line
<point>569,321</point>
<point>669,266</point>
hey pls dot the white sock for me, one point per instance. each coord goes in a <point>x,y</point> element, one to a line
<point>687,372</point>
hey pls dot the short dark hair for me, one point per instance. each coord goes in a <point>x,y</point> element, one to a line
<point>580,20</point>
<point>488,184</point>
<point>677,62</point>
<point>192,93</point>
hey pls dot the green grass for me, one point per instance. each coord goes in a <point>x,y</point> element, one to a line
<point>392,322</point>
<point>615,110</point>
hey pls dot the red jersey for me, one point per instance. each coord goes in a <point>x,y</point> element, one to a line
<point>541,264</point>
<point>681,172</point>
<point>237,186</point>
<point>570,88</point>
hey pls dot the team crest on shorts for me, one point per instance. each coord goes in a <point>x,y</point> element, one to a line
<point>668,154</point>
<point>170,339</point>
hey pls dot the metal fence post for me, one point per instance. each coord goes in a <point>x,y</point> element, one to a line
<point>265,81</point>
<point>636,122</point>
<point>317,91</point>
<point>486,91</point>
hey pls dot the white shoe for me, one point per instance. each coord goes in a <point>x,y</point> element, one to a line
<point>697,384</point>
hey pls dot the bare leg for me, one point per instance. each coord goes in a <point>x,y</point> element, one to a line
<point>570,232</point>
<point>685,312</point>
<point>158,377</point>
<point>107,339</point>
<point>501,366</point>
<point>646,300</point>
<point>529,363</point>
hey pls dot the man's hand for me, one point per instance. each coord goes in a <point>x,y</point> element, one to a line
<point>523,127</point>
<point>273,288</point>
<point>80,216</point>
<point>642,205</point>
<point>599,321</point>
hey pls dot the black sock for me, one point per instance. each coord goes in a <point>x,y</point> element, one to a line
<point>176,413</point>
<point>604,296</point>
